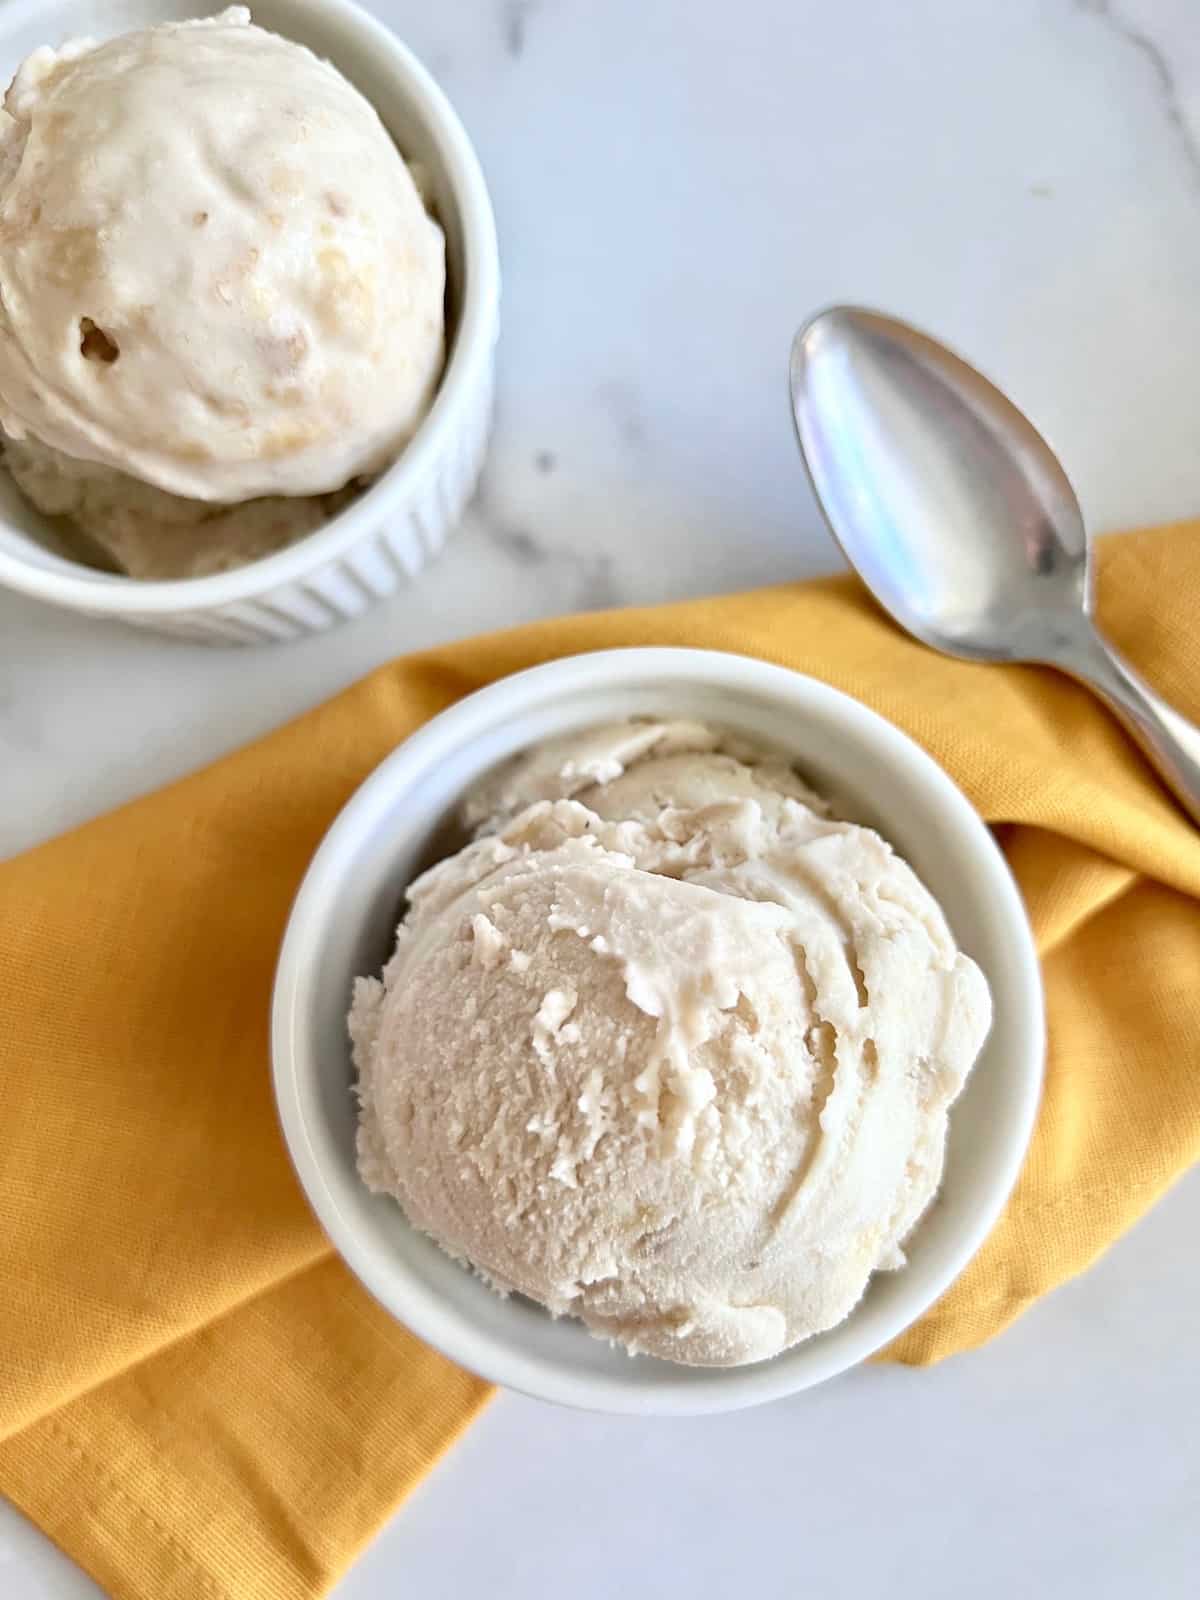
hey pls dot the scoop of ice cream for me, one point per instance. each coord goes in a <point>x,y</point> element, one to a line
<point>668,1049</point>
<point>216,272</point>
<point>147,533</point>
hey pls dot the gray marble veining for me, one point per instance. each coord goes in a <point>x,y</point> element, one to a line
<point>517,15</point>
<point>678,184</point>
<point>1156,57</point>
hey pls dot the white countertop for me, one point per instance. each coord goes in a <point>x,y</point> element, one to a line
<point>678,182</point>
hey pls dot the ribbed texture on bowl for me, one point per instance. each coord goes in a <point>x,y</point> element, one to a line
<point>382,560</point>
<point>368,550</point>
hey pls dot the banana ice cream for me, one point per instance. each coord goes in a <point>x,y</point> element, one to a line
<point>667,1047</point>
<point>219,284</point>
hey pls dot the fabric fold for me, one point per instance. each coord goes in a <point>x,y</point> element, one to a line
<point>195,1396</point>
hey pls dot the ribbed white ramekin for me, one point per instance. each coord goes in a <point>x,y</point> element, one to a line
<point>386,536</point>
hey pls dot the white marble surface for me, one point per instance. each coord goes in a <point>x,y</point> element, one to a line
<point>678,182</point>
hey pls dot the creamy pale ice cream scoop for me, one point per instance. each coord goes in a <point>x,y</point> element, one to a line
<point>217,275</point>
<point>667,1048</point>
<point>116,520</point>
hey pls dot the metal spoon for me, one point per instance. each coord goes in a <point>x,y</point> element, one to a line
<point>958,517</point>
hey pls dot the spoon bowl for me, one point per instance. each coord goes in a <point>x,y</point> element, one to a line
<point>959,517</point>
<point>944,497</point>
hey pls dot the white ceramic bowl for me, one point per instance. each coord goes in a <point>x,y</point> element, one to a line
<point>388,533</point>
<point>343,923</point>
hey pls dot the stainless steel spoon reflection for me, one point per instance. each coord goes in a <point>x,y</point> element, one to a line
<point>959,518</point>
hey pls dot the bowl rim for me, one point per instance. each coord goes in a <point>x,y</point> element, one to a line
<point>466,368</point>
<point>389,1280</point>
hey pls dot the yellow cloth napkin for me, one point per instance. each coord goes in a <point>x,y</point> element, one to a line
<point>196,1400</point>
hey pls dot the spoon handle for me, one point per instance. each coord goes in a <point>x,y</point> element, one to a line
<point>1169,740</point>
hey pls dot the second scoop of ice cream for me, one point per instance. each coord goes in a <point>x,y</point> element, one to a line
<point>667,1048</point>
<point>216,273</point>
